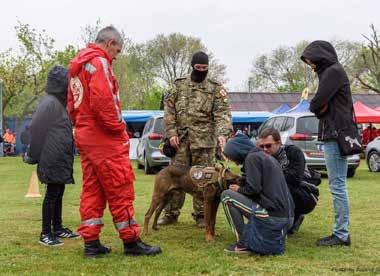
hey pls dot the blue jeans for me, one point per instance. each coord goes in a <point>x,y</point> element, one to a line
<point>337,172</point>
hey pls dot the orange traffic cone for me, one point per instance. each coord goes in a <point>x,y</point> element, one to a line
<point>34,190</point>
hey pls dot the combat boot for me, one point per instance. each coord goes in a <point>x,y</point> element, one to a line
<point>94,249</point>
<point>139,248</point>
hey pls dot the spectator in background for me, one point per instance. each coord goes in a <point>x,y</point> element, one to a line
<point>8,136</point>
<point>9,140</point>
<point>25,139</point>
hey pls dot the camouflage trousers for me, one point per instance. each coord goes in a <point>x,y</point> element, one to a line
<point>190,157</point>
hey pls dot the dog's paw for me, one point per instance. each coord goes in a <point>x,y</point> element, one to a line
<point>209,238</point>
<point>155,227</point>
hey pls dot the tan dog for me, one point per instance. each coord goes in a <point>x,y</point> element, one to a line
<point>191,180</point>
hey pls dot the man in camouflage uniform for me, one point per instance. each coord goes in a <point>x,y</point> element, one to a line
<point>197,117</point>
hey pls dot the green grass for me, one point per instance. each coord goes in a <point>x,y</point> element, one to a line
<point>184,248</point>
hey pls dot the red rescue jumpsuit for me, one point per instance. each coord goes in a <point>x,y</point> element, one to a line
<point>103,143</point>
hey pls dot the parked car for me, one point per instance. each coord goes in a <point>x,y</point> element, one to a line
<point>372,155</point>
<point>148,153</point>
<point>301,129</point>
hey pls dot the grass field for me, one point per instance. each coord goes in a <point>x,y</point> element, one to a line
<point>184,250</point>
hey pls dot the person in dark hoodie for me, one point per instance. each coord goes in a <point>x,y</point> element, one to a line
<point>332,104</point>
<point>264,199</point>
<point>51,147</point>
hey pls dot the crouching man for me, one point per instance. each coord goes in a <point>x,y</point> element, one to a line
<point>293,164</point>
<point>264,199</point>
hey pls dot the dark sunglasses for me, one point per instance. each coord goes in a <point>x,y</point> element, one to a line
<point>266,146</point>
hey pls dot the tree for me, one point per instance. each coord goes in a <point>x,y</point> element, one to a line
<point>25,73</point>
<point>135,76</point>
<point>171,57</point>
<point>89,32</point>
<point>368,63</point>
<point>283,71</point>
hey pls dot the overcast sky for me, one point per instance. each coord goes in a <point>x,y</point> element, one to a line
<point>235,31</point>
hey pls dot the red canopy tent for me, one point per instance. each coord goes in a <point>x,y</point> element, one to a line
<point>365,114</point>
<point>377,108</point>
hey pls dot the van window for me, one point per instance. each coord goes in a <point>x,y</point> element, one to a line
<point>278,123</point>
<point>308,125</point>
<point>288,124</point>
<point>267,124</point>
<point>148,126</point>
<point>159,126</point>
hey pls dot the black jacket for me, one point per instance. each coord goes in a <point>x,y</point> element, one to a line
<point>333,90</point>
<point>265,181</point>
<point>295,171</point>
<point>51,139</point>
<point>266,184</point>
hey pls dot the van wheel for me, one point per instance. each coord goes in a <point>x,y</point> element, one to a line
<point>351,172</point>
<point>147,169</point>
<point>373,161</point>
<point>139,166</point>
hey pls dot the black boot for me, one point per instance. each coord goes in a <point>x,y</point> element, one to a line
<point>95,249</point>
<point>138,247</point>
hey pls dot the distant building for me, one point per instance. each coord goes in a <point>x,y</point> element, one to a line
<point>263,101</point>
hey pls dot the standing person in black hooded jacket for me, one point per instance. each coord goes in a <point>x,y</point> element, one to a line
<point>51,147</point>
<point>332,104</point>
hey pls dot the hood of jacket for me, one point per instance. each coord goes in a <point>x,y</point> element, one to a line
<point>238,147</point>
<point>84,56</point>
<point>57,83</point>
<point>321,53</point>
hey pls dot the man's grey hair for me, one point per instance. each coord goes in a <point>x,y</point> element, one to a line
<point>109,33</point>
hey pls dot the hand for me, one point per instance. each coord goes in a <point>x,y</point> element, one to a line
<point>234,187</point>
<point>174,142</point>
<point>221,142</point>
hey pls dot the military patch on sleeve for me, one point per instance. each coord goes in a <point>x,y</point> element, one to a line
<point>223,92</point>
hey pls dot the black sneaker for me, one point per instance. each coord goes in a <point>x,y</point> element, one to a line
<point>333,241</point>
<point>50,240</point>
<point>94,249</point>
<point>66,233</point>
<point>138,248</point>
<point>237,248</point>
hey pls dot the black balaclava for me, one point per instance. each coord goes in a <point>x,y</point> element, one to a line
<point>57,83</point>
<point>199,58</point>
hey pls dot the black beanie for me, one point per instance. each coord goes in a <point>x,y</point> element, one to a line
<point>238,147</point>
<point>57,80</point>
<point>199,58</point>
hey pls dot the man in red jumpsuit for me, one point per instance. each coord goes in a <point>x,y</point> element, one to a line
<point>101,137</point>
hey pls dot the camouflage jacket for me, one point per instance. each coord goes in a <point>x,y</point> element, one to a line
<point>199,111</point>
